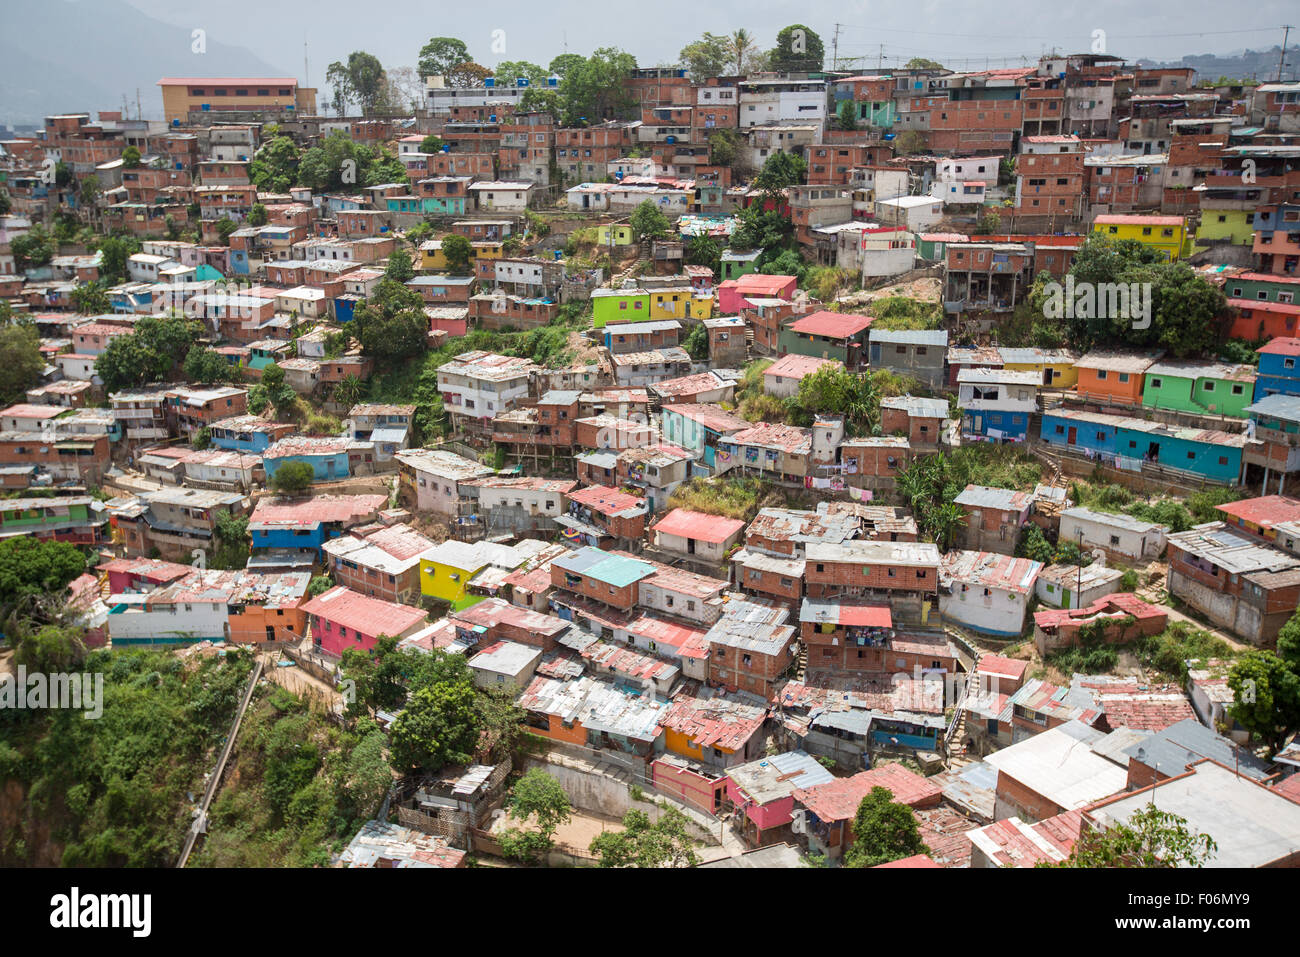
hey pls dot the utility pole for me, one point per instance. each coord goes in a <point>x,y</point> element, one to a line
<point>1282,59</point>
<point>138,114</point>
<point>880,58</point>
<point>835,49</point>
<point>306,70</point>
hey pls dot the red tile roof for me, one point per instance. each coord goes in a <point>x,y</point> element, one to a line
<point>1120,219</point>
<point>1281,347</point>
<point>761,284</point>
<point>835,325</point>
<point>367,615</point>
<point>1002,667</point>
<point>605,500</point>
<point>1265,511</point>
<point>916,860</point>
<point>838,800</point>
<point>714,529</point>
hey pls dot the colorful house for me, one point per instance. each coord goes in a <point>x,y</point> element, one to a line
<point>763,791</point>
<point>1254,320</point>
<point>1261,287</point>
<point>341,618</point>
<point>644,304</point>
<point>446,568</point>
<point>1188,385</point>
<point>1279,369</point>
<point>621,233</point>
<point>309,523</point>
<point>735,294</point>
<point>1056,367</point>
<point>1114,377</point>
<point>736,264</point>
<point>1136,444</point>
<point>328,457</point>
<point>828,335</point>
<point>1165,234</point>
<point>996,403</point>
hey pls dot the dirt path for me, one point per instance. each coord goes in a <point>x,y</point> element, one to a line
<point>299,682</point>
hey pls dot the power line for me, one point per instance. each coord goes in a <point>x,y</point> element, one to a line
<point>1003,36</point>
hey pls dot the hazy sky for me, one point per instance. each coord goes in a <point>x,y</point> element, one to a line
<point>960,35</point>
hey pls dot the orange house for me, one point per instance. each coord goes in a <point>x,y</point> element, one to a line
<point>1114,377</point>
<point>1254,321</point>
<point>268,607</point>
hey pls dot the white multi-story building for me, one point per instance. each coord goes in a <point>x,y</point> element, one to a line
<point>764,102</point>
<point>476,386</point>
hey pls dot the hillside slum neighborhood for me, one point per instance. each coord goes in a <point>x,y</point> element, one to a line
<point>555,519</point>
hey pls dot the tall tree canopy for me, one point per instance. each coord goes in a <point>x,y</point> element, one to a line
<point>798,50</point>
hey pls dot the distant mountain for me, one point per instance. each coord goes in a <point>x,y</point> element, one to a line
<point>58,56</point>
<point>1250,64</point>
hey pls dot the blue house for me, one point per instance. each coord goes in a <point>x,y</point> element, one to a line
<point>328,457</point>
<point>997,403</point>
<point>310,523</point>
<point>1279,369</point>
<point>247,433</point>
<point>1086,431</point>
<point>1137,445</point>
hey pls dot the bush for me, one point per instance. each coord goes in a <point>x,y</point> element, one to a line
<point>293,477</point>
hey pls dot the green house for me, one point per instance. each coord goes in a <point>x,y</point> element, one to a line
<point>737,264</point>
<point>1232,226</point>
<point>1200,387</point>
<point>1262,287</point>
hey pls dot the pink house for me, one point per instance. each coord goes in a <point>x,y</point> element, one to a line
<point>764,791</point>
<point>735,294</point>
<point>342,618</point>
<point>140,574</point>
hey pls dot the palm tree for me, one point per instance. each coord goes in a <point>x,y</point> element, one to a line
<point>742,46</point>
<point>944,520</point>
<point>348,391</point>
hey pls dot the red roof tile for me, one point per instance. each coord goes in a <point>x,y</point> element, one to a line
<point>714,529</point>
<point>835,325</point>
<point>838,800</point>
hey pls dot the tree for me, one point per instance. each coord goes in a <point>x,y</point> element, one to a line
<point>6,204</point>
<point>360,80</point>
<point>538,795</point>
<point>665,843</point>
<point>403,89</point>
<point>90,191</point>
<point>1150,838</point>
<point>438,726</point>
<point>781,170</point>
<point>439,55</point>
<point>507,71</point>
<point>648,222</point>
<point>391,326</point>
<point>883,831</point>
<point>21,363</point>
<point>1266,698</point>
<point>706,57</point>
<point>592,89</point>
<point>726,149</point>
<point>202,439</point>
<point>90,299</point>
<point>921,63</point>
<point>457,251</point>
<point>206,365</point>
<point>431,144</point>
<point>909,142</point>
<point>293,478</point>
<point>150,353</point>
<point>30,568</point>
<point>696,343</point>
<point>36,247</point>
<point>847,115</point>
<point>385,168</point>
<point>565,63</point>
<point>114,252</point>
<point>52,649</point>
<point>275,166</point>
<point>742,49</point>
<point>226,226</point>
<point>131,157</point>
<point>798,50</point>
<point>257,215</point>
<point>400,268</point>
<point>349,390</point>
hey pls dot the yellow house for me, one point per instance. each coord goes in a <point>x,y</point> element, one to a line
<point>1165,234</point>
<point>432,257</point>
<point>622,234</point>
<point>446,569</point>
<point>1054,367</point>
<point>678,302</point>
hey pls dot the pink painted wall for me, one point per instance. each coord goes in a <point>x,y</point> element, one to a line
<point>689,787</point>
<point>773,814</point>
<point>333,642</point>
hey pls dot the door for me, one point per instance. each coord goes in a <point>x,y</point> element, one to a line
<point>1073,436</point>
<point>1047,377</point>
<point>270,633</point>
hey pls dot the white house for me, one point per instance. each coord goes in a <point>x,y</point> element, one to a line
<point>478,385</point>
<point>764,102</point>
<point>1069,586</point>
<point>1120,536</point>
<point>917,213</point>
<point>501,195</point>
<point>987,592</point>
